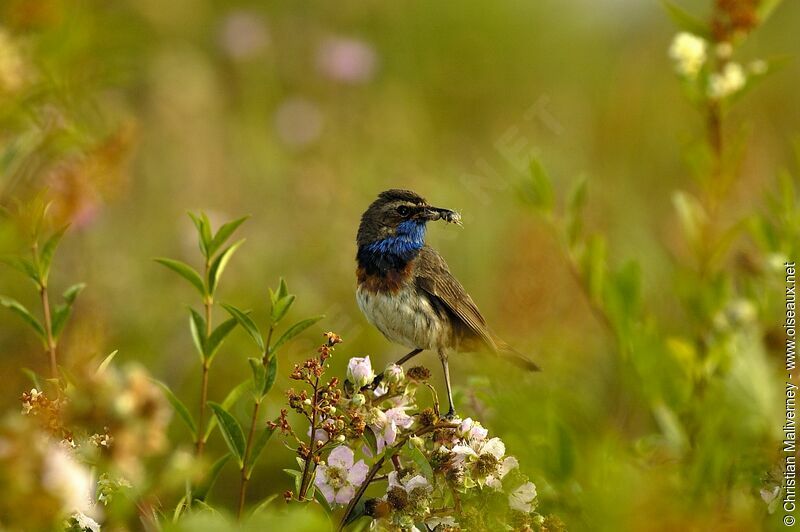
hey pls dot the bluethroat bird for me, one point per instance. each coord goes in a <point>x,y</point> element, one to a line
<point>406,290</point>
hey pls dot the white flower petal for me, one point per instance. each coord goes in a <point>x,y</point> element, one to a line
<point>495,447</point>
<point>418,482</point>
<point>341,457</point>
<point>344,495</point>
<point>508,464</point>
<point>358,473</point>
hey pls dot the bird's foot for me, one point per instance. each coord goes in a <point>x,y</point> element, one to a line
<point>450,415</point>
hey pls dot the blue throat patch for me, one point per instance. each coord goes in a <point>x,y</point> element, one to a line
<point>405,244</point>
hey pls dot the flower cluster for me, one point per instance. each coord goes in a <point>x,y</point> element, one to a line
<point>49,413</point>
<point>373,432</point>
<point>705,59</point>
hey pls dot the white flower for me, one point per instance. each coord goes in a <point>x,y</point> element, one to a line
<point>386,424</point>
<point>730,80</point>
<point>85,522</point>
<point>446,522</point>
<point>495,447</point>
<point>67,479</point>
<point>472,430</point>
<point>411,484</point>
<point>359,371</point>
<point>689,53</point>
<point>338,480</point>
<point>506,465</point>
<point>521,499</point>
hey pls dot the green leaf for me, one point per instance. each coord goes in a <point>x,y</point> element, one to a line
<point>61,312</point>
<point>197,324</point>
<point>766,8</point>
<point>263,505</point>
<point>594,267</point>
<point>224,233</point>
<point>17,308</point>
<point>356,512</point>
<point>203,232</point>
<point>23,265</point>
<point>185,271</point>
<point>259,375</point>
<point>538,190</point>
<point>692,216</point>
<point>283,290</point>
<point>575,203</point>
<point>203,489</point>
<point>421,462</point>
<point>231,431</point>
<point>281,307</point>
<point>48,250</point>
<point>227,404</point>
<point>372,441</point>
<point>293,331</point>
<point>272,373</point>
<point>686,21</point>
<point>72,292</point>
<point>298,477</point>
<point>60,315</point>
<point>258,447</point>
<point>179,407</point>
<point>106,362</point>
<point>33,377</point>
<point>320,498</point>
<point>248,324</point>
<point>218,265</point>
<point>218,335</point>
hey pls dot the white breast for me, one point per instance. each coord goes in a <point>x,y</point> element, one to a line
<point>405,318</point>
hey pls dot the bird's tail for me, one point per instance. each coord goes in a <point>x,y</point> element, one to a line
<point>515,357</point>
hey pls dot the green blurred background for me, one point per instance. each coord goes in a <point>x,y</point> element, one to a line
<point>299,112</point>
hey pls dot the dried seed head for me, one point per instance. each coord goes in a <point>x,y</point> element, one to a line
<point>427,417</point>
<point>397,498</point>
<point>419,374</point>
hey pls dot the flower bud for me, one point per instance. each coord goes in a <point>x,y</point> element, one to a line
<point>394,374</point>
<point>358,400</point>
<point>359,371</point>
<point>417,442</point>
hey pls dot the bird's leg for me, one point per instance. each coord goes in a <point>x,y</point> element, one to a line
<point>451,413</point>
<point>378,378</point>
<point>408,357</point>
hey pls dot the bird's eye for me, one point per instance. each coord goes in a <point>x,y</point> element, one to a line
<point>402,210</point>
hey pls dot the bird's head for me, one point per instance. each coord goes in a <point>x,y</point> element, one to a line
<point>395,222</point>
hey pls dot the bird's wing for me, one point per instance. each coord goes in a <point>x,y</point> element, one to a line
<point>432,275</point>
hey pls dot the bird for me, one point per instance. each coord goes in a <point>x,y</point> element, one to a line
<point>405,288</point>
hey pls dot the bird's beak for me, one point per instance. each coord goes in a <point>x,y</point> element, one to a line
<point>432,214</point>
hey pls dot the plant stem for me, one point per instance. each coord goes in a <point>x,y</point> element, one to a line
<point>248,446</point>
<point>48,321</point>
<point>309,466</point>
<point>245,477</point>
<point>208,302</point>
<point>48,325</point>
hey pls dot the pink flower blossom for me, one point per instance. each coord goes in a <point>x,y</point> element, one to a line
<point>338,480</point>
